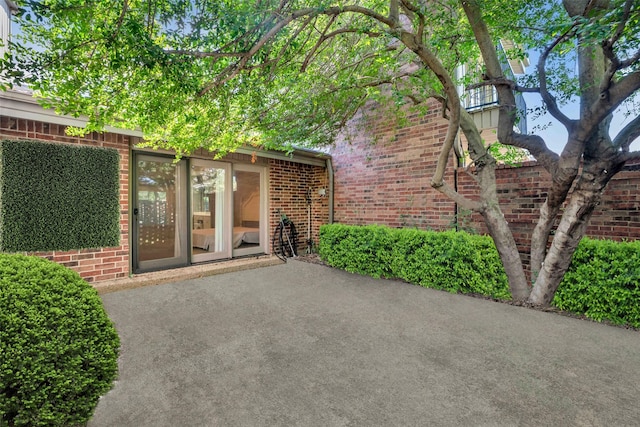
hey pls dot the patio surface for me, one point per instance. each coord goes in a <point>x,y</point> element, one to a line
<point>307,345</point>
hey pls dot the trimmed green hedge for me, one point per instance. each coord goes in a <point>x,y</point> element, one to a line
<point>58,197</point>
<point>603,282</point>
<point>58,348</point>
<point>450,260</point>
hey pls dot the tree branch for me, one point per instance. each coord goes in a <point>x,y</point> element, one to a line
<point>628,134</point>
<point>492,82</point>
<point>523,89</point>
<point>125,8</point>
<point>234,69</point>
<point>631,156</point>
<point>503,81</point>
<point>607,49</point>
<point>413,9</point>
<point>324,37</point>
<point>430,60</point>
<point>461,200</point>
<point>505,88</point>
<point>393,11</point>
<point>621,24</point>
<point>629,61</point>
<point>313,50</point>
<point>362,60</point>
<point>538,149</point>
<point>613,97</point>
<point>201,54</point>
<point>549,100</point>
<point>304,25</point>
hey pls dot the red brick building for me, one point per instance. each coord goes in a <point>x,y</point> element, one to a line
<point>205,211</point>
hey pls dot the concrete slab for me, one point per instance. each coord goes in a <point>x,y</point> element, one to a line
<point>303,344</point>
<point>185,273</point>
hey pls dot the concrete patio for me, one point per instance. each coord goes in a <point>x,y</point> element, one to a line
<point>303,344</point>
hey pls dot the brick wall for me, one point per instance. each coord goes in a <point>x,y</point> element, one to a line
<point>92,264</point>
<point>383,174</point>
<point>522,191</point>
<point>288,186</point>
<point>386,179</point>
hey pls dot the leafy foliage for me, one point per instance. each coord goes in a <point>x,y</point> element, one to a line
<point>268,73</point>
<point>59,349</point>
<point>603,282</point>
<point>452,261</point>
<point>58,197</point>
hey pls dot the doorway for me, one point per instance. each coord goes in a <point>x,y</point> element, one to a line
<point>159,214</point>
<point>250,226</point>
<point>210,210</point>
<point>193,210</point>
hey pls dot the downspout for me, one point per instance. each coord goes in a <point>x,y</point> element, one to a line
<point>330,172</point>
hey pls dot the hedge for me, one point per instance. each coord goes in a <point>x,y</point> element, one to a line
<point>603,282</point>
<point>58,197</point>
<point>450,260</point>
<point>59,349</point>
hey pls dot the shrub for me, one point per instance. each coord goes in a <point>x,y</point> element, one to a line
<point>58,347</point>
<point>603,282</point>
<point>453,261</point>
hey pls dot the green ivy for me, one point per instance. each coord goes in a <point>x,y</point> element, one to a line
<point>452,261</point>
<point>58,197</point>
<point>58,348</point>
<point>603,282</point>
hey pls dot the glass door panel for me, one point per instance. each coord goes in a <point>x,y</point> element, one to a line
<point>249,210</point>
<point>210,211</point>
<point>159,213</point>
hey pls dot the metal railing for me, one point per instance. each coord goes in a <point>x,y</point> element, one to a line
<point>487,97</point>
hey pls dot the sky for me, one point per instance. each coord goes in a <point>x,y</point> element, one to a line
<point>555,134</point>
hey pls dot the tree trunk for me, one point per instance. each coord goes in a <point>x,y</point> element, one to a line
<point>562,180</point>
<point>508,250</point>
<point>501,233</point>
<point>540,237</point>
<point>572,227</point>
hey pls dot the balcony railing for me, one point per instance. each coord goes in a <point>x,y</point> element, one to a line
<point>486,97</point>
<point>480,97</point>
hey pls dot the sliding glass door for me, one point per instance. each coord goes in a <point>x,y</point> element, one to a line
<point>192,211</point>
<point>249,210</point>
<point>210,210</point>
<point>159,213</point>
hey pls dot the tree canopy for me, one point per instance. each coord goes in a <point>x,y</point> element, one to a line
<point>218,74</point>
<point>221,73</point>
